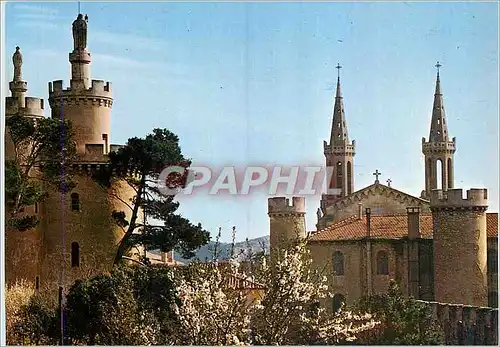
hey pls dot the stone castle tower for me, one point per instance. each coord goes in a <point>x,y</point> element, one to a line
<point>339,153</point>
<point>439,149</point>
<point>22,249</point>
<point>77,236</point>
<point>460,246</point>
<point>287,221</point>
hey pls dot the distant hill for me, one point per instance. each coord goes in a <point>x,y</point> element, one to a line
<point>224,249</point>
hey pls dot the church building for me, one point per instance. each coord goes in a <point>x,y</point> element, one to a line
<point>438,247</point>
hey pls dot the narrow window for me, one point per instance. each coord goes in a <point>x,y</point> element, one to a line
<point>338,264</point>
<point>75,202</point>
<point>75,254</point>
<point>349,178</point>
<point>37,282</point>
<point>340,175</point>
<point>382,263</point>
<point>105,138</point>
<point>36,207</point>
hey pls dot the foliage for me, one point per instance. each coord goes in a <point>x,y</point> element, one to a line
<point>43,152</point>
<point>31,319</point>
<point>139,163</point>
<point>131,306</point>
<point>290,311</point>
<point>404,321</point>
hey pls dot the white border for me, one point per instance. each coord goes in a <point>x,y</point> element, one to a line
<point>2,183</point>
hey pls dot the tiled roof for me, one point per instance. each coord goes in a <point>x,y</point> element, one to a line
<point>387,227</point>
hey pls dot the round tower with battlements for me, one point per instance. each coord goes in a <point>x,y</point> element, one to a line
<point>87,103</point>
<point>460,248</point>
<point>287,220</point>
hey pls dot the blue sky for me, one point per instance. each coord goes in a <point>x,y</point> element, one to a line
<point>253,83</point>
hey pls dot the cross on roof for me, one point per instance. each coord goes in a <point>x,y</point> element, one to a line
<point>389,181</point>
<point>338,67</point>
<point>376,174</point>
<point>438,66</point>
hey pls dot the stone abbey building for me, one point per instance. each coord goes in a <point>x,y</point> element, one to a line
<point>439,247</point>
<point>76,236</point>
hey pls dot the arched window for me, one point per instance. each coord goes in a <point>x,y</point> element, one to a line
<point>382,263</point>
<point>75,202</point>
<point>338,302</point>
<point>338,264</point>
<point>439,174</point>
<point>339,168</point>
<point>349,178</point>
<point>75,254</point>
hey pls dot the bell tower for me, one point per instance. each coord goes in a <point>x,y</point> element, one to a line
<point>339,154</point>
<point>438,150</point>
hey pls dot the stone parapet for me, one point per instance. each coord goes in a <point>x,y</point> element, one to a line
<point>439,147</point>
<point>33,107</point>
<point>99,94</point>
<point>477,198</point>
<point>466,325</point>
<point>281,205</point>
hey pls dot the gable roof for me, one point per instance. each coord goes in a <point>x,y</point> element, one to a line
<point>374,189</point>
<point>387,227</point>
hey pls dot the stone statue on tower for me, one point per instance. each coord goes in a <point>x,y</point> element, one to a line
<point>80,32</point>
<point>17,60</point>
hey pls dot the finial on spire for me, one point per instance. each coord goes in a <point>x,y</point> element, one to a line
<point>438,82</point>
<point>437,67</point>
<point>338,67</point>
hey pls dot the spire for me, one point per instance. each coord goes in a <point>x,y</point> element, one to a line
<point>338,135</point>
<point>439,129</point>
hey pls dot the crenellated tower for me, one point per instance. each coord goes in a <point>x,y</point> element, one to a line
<point>287,221</point>
<point>439,150</point>
<point>460,246</point>
<point>18,102</point>
<point>339,153</point>
<point>87,103</point>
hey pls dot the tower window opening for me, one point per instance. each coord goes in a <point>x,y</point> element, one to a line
<point>75,254</point>
<point>36,207</point>
<point>338,136</point>
<point>439,132</point>
<point>75,202</point>
<point>338,125</point>
<point>37,283</point>
<point>105,138</point>
<point>382,263</point>
<point>338,264</point>
<point>439,121</point>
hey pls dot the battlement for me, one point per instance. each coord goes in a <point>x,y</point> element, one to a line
<point>439,147</point>
<point>33,107</point>
<point>282,205</point>
<point>453,198</point>
<point>99,89</point>
<point>340,150</point>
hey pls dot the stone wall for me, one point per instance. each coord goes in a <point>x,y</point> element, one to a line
<point>466,325</point>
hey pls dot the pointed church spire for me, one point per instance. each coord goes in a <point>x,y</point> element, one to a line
<point>439,129</point>
<point>339,134</point>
